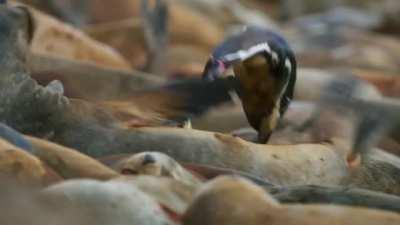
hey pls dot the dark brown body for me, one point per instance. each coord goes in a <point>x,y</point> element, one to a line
<point>260,94</point>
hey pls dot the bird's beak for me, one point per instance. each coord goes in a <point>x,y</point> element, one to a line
<point>214,69</point>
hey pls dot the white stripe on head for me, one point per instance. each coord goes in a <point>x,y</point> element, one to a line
<point>275,58</point>
<point>288,65</point>
<point>245,54</point>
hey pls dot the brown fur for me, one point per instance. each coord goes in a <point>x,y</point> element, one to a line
<point>18,165</point>
<point>82,80</point>
<point>185,24</point>
<point>105,203</point>
<point>231,201</point>
<point>171,193</point>
<point>187,29</point>
<point>70,163</point>
<point>92,130</point>
<point>259,95</point>
<point>55,38</point>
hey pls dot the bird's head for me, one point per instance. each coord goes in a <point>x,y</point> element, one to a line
<point>214,68</point>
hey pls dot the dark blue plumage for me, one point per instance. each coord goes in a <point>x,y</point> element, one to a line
<point>249,37</point>
<point>247,43</point>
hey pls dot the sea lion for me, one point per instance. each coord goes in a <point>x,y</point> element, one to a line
<point>156,164</point>
<point>31,109</point>
<point>172,194</point>
<point>337,195</point>
<point>20,166</point>
<point>105,203</point>
<point>232,201</point>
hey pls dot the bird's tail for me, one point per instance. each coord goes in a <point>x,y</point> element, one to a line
<point>197,96</point>
<point>172,103</point>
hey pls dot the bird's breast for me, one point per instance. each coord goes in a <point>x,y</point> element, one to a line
<point>259,89</point>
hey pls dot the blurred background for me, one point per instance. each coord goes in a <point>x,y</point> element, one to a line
<point>173,39</point>
<point>350,36</point>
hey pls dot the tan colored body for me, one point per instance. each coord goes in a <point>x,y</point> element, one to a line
<point>234,201</point>
<point>55,38</point>
<point>18,165</point>
<point>169,192</point>
<point>104,203</point>
<point>70,163</point>
<point>260,95</point>
<point>192,35</point>
<point>90,129</point>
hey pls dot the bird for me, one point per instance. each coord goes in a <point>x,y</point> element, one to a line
<point>264,66</point>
